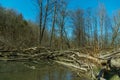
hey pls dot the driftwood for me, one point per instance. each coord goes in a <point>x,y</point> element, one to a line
<point>74,59</point>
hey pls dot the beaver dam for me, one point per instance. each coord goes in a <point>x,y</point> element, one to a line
<point>67,65</point>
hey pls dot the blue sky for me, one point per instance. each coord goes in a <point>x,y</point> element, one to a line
<point>26,7</point>
<point>28,10</point>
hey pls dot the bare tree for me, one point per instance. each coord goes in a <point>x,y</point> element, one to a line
<point>53,22</point>
<point>78,27</point>
<point>43,15</point>
<point>88,26</point>
<point>102,16</point>
<point>116,28</point>
<point>61,20</point>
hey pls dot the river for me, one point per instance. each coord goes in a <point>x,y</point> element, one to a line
<point>32,71</point>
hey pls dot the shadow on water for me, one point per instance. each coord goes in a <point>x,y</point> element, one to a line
<point>41,71</point>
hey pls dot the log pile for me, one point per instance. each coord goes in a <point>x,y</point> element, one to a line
<point>74,59</point>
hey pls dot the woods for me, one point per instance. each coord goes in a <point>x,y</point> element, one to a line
<point>78,28</point>
<point>82,39</point>
<point>60,28</point>
<point>15,31</point>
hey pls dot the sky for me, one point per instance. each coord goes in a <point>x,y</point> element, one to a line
<point>25,7</point>
<point>29,12</point>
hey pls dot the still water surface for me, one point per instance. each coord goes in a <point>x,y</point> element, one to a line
<point>32,71</point>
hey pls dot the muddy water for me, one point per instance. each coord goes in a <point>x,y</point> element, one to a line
<point>33,71</point>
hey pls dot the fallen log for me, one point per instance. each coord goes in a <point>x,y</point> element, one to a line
<point>17,59</point>
<point>72,66</point>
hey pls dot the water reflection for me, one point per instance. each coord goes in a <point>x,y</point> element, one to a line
<point>43,71</point>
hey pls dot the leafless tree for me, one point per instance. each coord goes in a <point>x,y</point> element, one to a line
<point>78,27</point>
<point>115,29</point>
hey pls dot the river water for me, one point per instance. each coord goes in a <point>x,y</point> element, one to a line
<point>32,71</point>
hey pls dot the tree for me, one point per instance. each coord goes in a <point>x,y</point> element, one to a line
<point>78,27</point>
<point>115,29</point>
<point>102,21</point>
<point>53,22</point>
<point>43,6</point>
<point>88,26</point>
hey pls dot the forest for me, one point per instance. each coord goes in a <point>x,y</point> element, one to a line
<point>60,28</point>
<point>90,31</point>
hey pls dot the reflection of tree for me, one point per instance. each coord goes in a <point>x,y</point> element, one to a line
<point>53,72</point>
